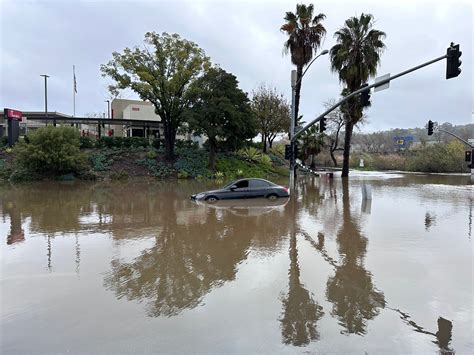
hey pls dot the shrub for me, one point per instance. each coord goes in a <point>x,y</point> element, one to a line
<point>122,142</point>
<point>4,142</point>
<point>278,149</point>
<point>192,161</point>
<point>439,158</point>
<point>265,160</point>
<point>157,169</point>
<point>86,142</point>
<point>250,154</point>
<point>51,149</point>
<point>151,154</point>
<point>99,162</point>
<point>186,144</point>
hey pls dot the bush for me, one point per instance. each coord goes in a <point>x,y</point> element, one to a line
<point>192,161</point>
<point>122,142</point>
<point>86,143</point>
<point>4,142</point>
<point>100,162</point>
<point>151,154</point>
<point>265,160</point>
<point>157,169</point>
<point>51,149</point>
<point>250,154</point>
<point>186,144</point>
<point>439,158</point>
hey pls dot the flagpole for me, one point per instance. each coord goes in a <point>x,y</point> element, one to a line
<point>74,90</point>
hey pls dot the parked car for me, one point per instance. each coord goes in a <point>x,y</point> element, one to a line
<point>244,188</point>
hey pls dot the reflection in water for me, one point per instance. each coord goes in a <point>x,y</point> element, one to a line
<point>351,290</point>
<point>186,262</point>
<point>190,259</point>
<point>430,221</point>
<point>300,312</point>
<point>16,234</point>
<point>191,250</point>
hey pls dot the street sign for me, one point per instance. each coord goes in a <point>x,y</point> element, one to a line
<point>12,114</point>
<point>383,86</point>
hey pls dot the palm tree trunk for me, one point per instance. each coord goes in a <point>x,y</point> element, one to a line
<point>299,73</point>
<point>264,142</point>
<point>347,148</point>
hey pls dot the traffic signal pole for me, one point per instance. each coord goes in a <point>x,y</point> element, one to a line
<point>365,88</point>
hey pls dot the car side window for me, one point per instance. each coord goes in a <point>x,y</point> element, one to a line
<point>258,184</point>
<point>242,184</point>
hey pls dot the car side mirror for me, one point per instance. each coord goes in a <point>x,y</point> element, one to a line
<point>233,187</point>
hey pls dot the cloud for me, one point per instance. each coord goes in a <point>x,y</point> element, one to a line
<point>244,38</point>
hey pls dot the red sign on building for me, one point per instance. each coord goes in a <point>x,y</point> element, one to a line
<point>13,114</point>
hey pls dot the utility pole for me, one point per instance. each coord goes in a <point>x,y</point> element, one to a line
<point>46,97</point>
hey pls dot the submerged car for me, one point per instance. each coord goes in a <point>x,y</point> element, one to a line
<point>244,188</point>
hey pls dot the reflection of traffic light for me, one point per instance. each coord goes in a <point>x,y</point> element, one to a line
<point>430,127</point>
<point>322,125</point>
<point>452,61</point>
<point>365,97</point>
<point>288,151</point>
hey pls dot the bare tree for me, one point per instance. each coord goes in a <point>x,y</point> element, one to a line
<point>335,124</point>
<point>272,112</point>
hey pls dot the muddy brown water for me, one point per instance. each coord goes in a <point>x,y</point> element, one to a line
<point>137,267</point>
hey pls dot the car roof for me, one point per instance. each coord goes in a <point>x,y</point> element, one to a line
<point>254,179</point>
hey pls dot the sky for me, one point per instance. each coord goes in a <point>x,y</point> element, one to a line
<point>244,38</point>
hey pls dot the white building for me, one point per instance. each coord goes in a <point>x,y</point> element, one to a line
<point>141,110</point>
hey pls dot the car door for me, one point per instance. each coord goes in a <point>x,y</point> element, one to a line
<point>256,188</point>
<point>241,190</point>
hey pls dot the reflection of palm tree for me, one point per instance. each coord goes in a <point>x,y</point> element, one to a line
<point>351,290</point>
<point>300,312</point>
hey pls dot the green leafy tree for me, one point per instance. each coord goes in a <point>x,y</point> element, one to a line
<point>221,111</point>
<point>161,72</point>
<point>355,58</point>
<point>272,113</point>
<point>51,150</point>
<point>305,33</point>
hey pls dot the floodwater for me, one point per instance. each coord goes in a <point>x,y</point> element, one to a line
<point>137,267</point>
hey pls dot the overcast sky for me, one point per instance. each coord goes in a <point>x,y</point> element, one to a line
<point>243,37</point>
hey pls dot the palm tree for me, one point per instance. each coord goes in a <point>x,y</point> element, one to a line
<point>312,142</point>
<point>355,58</point>
<point>305,33</point>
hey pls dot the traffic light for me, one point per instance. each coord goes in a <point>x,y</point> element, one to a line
<point>322,125</point>
<point>287,151</point>
<point>296,151</point>
<point>452,61</point>
<point>468,156</point>
<point>430,127</point>
<point>365,97</point>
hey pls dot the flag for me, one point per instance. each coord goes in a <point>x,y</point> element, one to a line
<point>75,83</point>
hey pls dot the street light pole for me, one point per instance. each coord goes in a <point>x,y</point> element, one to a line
<point>294,82</point>
<point>46,96</point>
